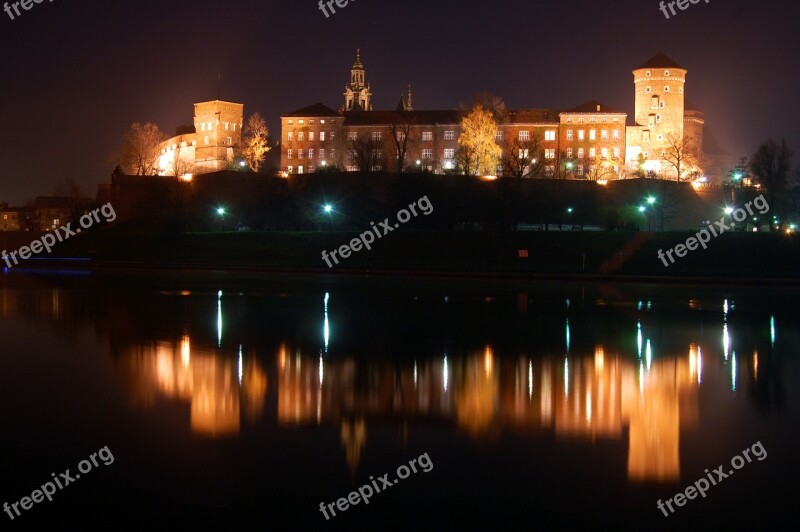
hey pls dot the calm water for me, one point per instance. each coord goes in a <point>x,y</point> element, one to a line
<point>233,401</point>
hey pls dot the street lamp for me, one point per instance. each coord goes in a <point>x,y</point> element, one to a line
<point>728,210</point>
<point>651,200</point>
<point>328,210</point>
<point>221,211</point>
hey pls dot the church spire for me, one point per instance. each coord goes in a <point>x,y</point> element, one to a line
<point>357,94</point>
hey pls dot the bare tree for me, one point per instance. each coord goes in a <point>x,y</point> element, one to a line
<point>139,152</point>
<point>70,191</point>
<point>679,154</point>
<point>400,129</point>
<point>771,164</point>
<point>600,168</point>
<point>255,141</point>
<point>367,155</point>
<point>523,158</point>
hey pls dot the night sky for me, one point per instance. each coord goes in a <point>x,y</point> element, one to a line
<point>77,73</point>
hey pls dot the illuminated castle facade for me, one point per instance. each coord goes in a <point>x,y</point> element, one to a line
<point>208,146</point>
<point>589,141</point>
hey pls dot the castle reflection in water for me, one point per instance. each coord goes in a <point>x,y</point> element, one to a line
<point>571,394</point>
<point>579,395</point>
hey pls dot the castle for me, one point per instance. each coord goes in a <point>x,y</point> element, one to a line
<point>208,146</point>
<point>589,141</point>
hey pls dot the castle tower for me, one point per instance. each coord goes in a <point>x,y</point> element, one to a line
<point>218,127</point>
<point>357,94</point>
<point>659,103</point>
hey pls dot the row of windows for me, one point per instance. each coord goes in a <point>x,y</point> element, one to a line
<point>301,136</point>
<point>311,122</point>
<point>301,154</point>
<point>209,126</point>
<point>666,89</point>
<point>593,119</point>
<point>593,134</point>
<point>592,153</point>
<point>649,73</point>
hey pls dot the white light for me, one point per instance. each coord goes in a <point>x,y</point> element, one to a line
<point>241,366</point>
<point>530,380</point>
<point>445,374</point>
<point>566,377</point>
<point>321,372</point>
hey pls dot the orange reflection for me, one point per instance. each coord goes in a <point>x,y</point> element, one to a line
<point>209,382</point>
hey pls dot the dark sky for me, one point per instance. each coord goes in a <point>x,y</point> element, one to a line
<point>77,73</point>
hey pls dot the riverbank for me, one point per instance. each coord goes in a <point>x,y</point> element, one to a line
<point>595,255</point>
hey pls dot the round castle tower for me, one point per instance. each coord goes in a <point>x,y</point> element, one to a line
<point>660,101</point>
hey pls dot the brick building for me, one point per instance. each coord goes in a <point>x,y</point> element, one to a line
<point>589,141</point>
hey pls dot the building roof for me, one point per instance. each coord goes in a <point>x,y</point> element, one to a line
<point>532,116</point>
<point>371,118</point>
<point>660,60</point>
<point>318,109</point>
<point>593,106</point>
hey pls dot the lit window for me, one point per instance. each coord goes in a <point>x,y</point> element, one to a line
<point>300,136</point>
<point>427,154</point>
<point>580,169</point>
<point>569,153</point>
<point>321,121</point>
<point>616,153</point>
<point>592,134</point>
<point>290,154</point>
<point>498,137</point>
<point>377,136</point>
<point>569,134</point>
<point>550,135</point>
<point>449,153</point>
<point>592,153</point>
<point>605,119</point>
<point>616,134</point>
<point>604,153</point>
<point>291,121</point>
<point>322,136</point>
<point>580,120</point>
<point>290,169</point>
<point>234,126</point>
<point>604,134</point>
<point>206,140</point>
<point>290,136</point>
<point>230,141</point>
<point>524,135</point>
<point>299,169</point>
<point>203,126</point>
<point>580,153</point>
<point>580,134</point>
<point>401,136</point>
<point>299,154</point>
<point>352,135</point>
<point>569,120</point>
<point>449,135</point>
<point>549,153</point>
<point>311,135</point>
<point>427,135</point>
<point>227,126</point>
<point>322,153</point>
<point>301,122</point>
<point>311,122</point>
<point>523,154</point>
<point>310,153</point>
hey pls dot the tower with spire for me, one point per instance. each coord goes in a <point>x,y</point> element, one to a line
<point>357,94</point>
